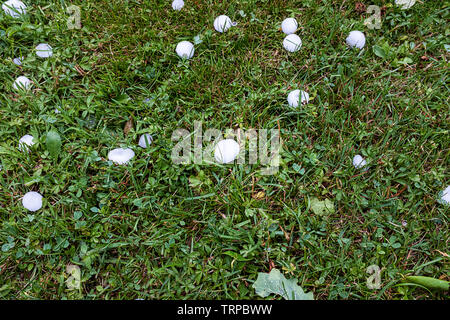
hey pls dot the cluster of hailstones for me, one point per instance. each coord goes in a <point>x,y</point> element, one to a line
<point>226,151</point>
<point>33,200</point>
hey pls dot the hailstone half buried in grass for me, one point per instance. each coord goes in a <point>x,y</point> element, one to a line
<point>25,142</point>
<point>185,49</point>
<point>14,8</point>
<point>359,162</point>
<point>121,155</point>
<point>32,201</point>
<point>223,23</point>
<point>177,5</point>
<point>226,151</point>
<point>294,98</point>
<point>17,61</point>
<point>356,39</point>
<point>22,83</point>
<point>292,43</point>
<point>44,50</point>
<point>445,198</point>
<point>289,25</point>
<point>145,140</point>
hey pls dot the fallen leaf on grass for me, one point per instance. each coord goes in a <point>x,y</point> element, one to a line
<point>275,283</point>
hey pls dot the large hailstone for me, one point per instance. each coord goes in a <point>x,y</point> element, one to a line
<point>223,23</point>
<point>22,83</point>
<point>145,140</point>
<point>445,198</point>
<point>359,162</point>
<point>121,155</point>
<point>226,151</point>
<point>25,142</point>
<point>405,4</point>
<point>185,49</point>
<point>289,25</point>
<point>44,50</point>
<point>177,5</point>
<point>292,43</point>
<point>294,97</point>
<point>14,8</point>
<point>356,39</point>
<point>32,201</point>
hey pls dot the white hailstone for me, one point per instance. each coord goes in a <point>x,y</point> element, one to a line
<point>58,109</point>
<point>32,201</point>
<point>14,8</point>
<point>223,23</point>
<point>294,97</point>
<point>292,43</point>
<point>446,195</point>
<point>145,140</point>
<point>177,5</point>
<point>356,39</point>
<point>121,155</point>
<point>25,142</point>
<point>226,151</point>
<point>405,4</point>
<point>289,25</point>
<point>44,50</point>
<point>17,61</point>
<point>359,162</point>
<point>185,49</point>
<point>22,83</point>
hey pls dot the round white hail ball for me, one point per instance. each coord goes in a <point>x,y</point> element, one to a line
<point>177,5</point>
<point>359,162</point>
<point>226,151</point>
<point>44,50</point>
<point>446,195</point>
<point>405,4</point>
<point>22,83</point>
<point>356,39</point>
<point>145,140</point>
<point>223,23</point>
<point>32,201</point>
<point>25,142</point>
<point>185,49</point>
<point>121,155</point>
<point>292,43</point>
<point>294,97</point>
<point>18,61</point>
<point>289,25</point>
<point>14,8</point>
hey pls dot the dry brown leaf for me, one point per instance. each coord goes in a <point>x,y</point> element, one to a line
<point>128,126</point>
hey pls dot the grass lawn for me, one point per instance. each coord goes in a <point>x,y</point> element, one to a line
<point>153,229</point>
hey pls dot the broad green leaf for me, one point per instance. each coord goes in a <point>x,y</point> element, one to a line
<point>428,282</point>
<point>194,181</point>
<point>77,215</point>
<point>406,61</point>
<point>379,51</point>
<point>275,283</point>
<point>53,143</point>
<point>322,207</point>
